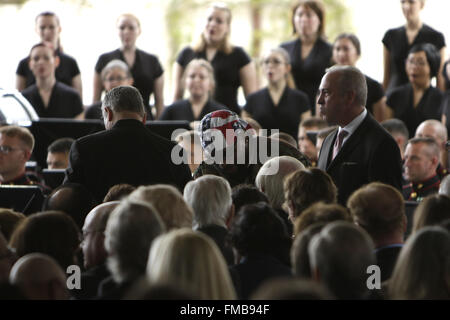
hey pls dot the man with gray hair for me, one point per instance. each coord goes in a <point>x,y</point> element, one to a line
<point>129,233</point>
<point>127,152</point>
<point>339,257</point>
<point>270,182</point>
<point>359,151</point>
<point>210,198</point>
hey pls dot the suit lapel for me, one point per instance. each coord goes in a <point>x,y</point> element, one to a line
<point>327,150</point>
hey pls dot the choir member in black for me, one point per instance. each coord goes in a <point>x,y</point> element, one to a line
<point>310,53</point>
<point>48,28</point>
<point>232,65</point>
<point>278,106</point>
<point>398,41</point>
<point>417,100</point>
<point>49,97</point>
<point>145,68</point>
<point>346,51</point>
<point>115,73</point>
<point>199,81</point>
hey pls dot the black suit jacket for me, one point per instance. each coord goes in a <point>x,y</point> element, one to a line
<point>370,154</point>
<point>127,153</point>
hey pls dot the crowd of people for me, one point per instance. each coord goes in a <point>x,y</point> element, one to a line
<point>325,185</point>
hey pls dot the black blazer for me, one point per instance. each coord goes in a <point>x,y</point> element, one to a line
<point>127,153</point>
<point>370,154</point>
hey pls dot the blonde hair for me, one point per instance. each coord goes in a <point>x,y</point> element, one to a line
<point>192,262</point>
<point>204,64</point>
<point>225,46</point>
<point>130,16</point>
<point>23,134</point>
<point>168,202</point>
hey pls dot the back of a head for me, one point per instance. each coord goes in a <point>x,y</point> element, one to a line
<point>445,186</point>
<point>258,229</point>
<point>9,220</point>
<point>124,99</point>
<point>379,209</point>
<point>320,212</point>
<point>119,192</point>
<point>306,187</point>
<point>271,176</point>
<point>423,267</point>
<point>433,210</point>
<point>39,277</point>
<point>247,194</point>
<point>129,233</point>
<point>210,198</point>
<point>73,199</point>
<point>169,203</point>
<point>191,261</point>
<point>50,232</point>
<point>339,257</point>
<point>291,289</point>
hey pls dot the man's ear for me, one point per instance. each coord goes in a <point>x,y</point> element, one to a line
<point>108,114</point>
<point>230,216</point>
<point>57,61</point>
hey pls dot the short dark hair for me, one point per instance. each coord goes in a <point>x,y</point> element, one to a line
<point>433,56</point>
<point>314,122</point>
<point>61,145</point>
<point>124,98</point>
<point>395,126</point>
<point>244,194</point>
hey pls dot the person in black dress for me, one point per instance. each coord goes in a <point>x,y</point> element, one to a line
<point>145,68</point>
<point>199,81</point>
<point>49,97</point>
<point>48,28</point>
<point>232,65</point>
<point>310,53</point>
<point>115,73</point>
<point>417,100</point>
<point>398,41</point>
<point>346,51</point>
<point>278,106</point>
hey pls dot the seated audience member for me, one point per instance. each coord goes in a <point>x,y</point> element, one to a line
<point>191,261</point>
<point>9,221</point>
<point>421,162</point>
<point>115,73</point>
<point>168,202</point>
<point>422,270</point>
<point>285,137</point>
<point>198,79</point>
<point>339,256</point>
<point>7,259</point>
<point>262,243</point>
<point>280,105</point>
<point>39,277</point>
<point>48,28</point>
<point>130,231</point>
<point>16,146</point>
<point>399,132</point>
<point>94,252</point>
<point>291,289</point>
<point>225,126</point>
<point>417,100</point>
<point>244,194</point>
<point>50,232</point>
<point>118,192</point>
<point>320,212</point>
<point>270,181</point>
<point>58,153</point>
<point>305,143</point>
<point>445,186</point>
<point>437,131</point>
<point>303,188</point>
<point>125,151</point>
<point>380,210</point>
<point>49,97</point>
<point>190,142</point>
<point>301,267</point>
<point>433,210</point>
<point>321,135</point>
<point>210,198</point>
<point>73,199</point>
